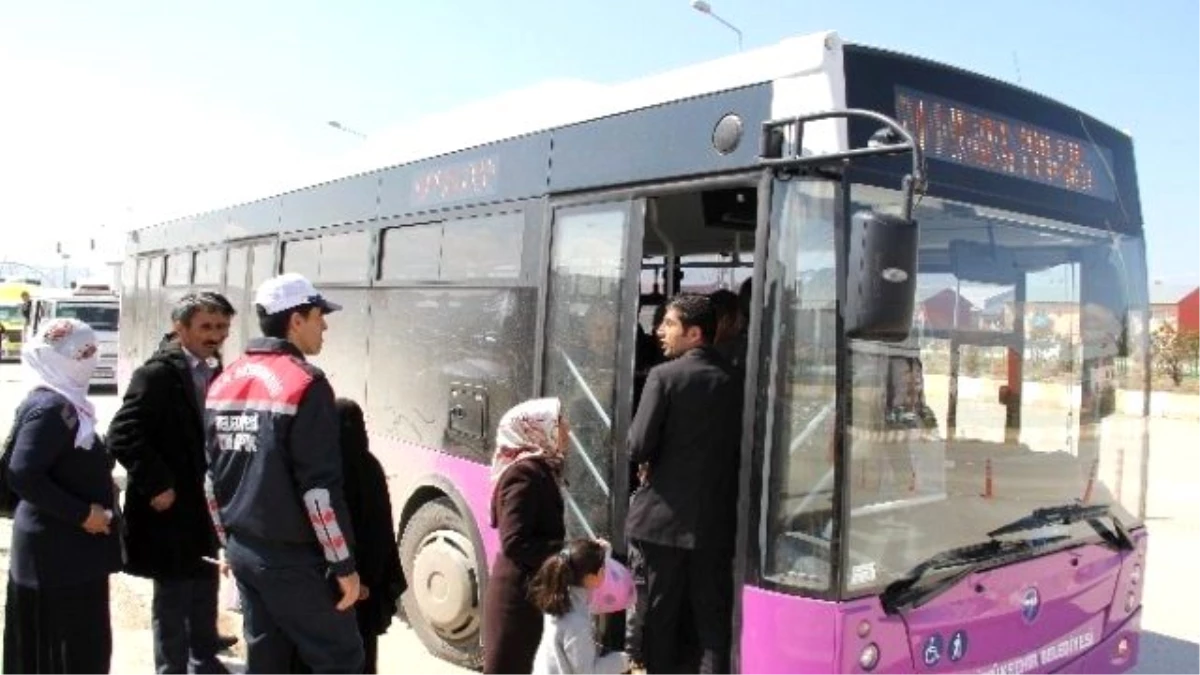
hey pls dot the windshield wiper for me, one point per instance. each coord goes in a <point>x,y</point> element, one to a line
<point>1066,514</point>
<point>905,591</point>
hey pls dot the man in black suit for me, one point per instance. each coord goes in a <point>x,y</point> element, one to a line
<point>158,436</point>
<point>685,439</point>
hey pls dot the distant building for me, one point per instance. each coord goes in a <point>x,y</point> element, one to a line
<point>1047,313</point>
<point>940,309</point>
<point>1174,304</point>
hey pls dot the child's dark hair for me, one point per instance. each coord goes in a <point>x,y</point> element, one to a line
<point>550,588</point>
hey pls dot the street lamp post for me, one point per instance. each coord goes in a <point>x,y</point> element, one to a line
<point>342,127</point>
<point>704,8</point>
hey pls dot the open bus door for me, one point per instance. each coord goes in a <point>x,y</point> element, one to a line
<point>588,344</point>
<point>992,339</point>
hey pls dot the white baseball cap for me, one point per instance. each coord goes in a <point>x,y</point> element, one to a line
<point>290,290</point>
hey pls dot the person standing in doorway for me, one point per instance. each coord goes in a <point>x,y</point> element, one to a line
<point>274,484</point>
<point>684,438</point>
<point>158,436</point>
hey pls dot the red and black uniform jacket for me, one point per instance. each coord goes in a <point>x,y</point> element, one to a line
<point>274,463</point>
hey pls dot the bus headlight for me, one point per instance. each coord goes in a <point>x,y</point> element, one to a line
<point>1135,575</point>
<point>1130,602</point>
<point>864,628</point>
<point>868,658</point>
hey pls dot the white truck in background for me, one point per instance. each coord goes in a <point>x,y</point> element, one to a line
<point>94,303</point>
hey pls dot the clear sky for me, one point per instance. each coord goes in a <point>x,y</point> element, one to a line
<point>115,112</point>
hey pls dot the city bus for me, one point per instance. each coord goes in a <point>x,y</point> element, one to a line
<point>924,484</point>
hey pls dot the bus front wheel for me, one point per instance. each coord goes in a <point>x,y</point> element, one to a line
<point>444,598</point>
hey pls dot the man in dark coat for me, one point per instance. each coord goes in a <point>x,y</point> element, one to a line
<point>684,437</point>
<point>158,436</point>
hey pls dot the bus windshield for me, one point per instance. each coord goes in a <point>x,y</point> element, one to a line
<point>10,313</point>
<point>1018,388</point>
<point>100,316</point>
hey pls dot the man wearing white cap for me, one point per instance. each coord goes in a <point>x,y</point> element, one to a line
<point>275,489</point>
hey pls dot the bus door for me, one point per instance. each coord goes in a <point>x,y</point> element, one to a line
<point>984,340</point>
<point>248,264</point>
<point>979,362</point>
<point>588,344</point>
<point>1013,368</point>
<point>144,339</point>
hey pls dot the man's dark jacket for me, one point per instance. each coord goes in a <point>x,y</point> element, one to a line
<point>158,436</point>
<point>687,428</point>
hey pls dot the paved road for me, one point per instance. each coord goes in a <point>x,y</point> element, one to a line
<point>1171,619</point>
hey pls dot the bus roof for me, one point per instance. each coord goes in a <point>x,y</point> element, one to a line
<point>561,103</point>
<point>553,105</point>
<point>557,137</point>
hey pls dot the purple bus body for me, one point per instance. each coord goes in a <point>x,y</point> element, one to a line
<point>417,464</point>
<point>1063,612</point>
<point>1078,619</point>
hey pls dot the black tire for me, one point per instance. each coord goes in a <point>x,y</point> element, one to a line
<point>438,523</point>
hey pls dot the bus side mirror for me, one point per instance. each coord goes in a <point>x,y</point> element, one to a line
<point>882,283</point>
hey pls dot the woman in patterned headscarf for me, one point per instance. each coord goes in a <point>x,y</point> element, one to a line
<point>64,541</point>
<point>527,509</point>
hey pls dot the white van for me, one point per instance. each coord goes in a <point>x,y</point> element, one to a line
<point>96,306</point>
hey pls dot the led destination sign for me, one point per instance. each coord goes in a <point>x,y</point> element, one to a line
<point>954,132</point>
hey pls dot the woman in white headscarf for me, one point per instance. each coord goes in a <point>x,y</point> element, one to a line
<point>64,543</point>
<point>527,508</point>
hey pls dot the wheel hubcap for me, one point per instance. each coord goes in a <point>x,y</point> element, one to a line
<point>446,584</point>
